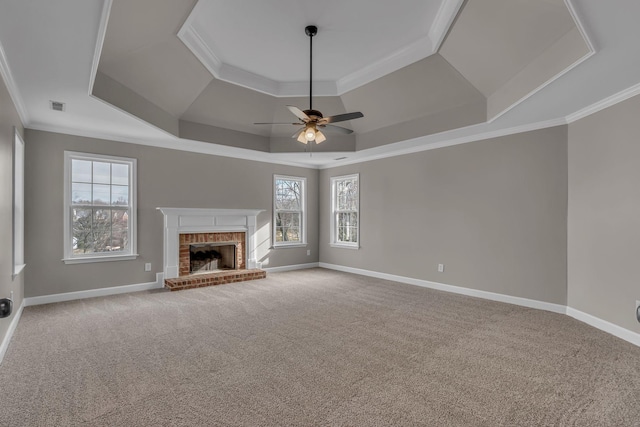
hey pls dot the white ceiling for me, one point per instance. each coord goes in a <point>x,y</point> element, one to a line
<point>254,43</point>
<point>49,53</point>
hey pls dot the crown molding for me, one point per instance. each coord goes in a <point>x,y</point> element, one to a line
<point>175,143</point>
<point>431,142</point>
<point>12,87</point>
<point>97,52</point>
<point>605,103</point>
<point>443,21</point>
<point>193,39</point>
<point>590,52</point>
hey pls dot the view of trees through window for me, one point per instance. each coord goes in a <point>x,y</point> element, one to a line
<point>346,209</point>
<point>99,206</point>
<point>288,210</point>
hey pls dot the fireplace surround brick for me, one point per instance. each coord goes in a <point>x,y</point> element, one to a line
<point>188,238</point>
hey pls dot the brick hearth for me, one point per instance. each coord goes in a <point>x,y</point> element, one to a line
<point>202,280</point>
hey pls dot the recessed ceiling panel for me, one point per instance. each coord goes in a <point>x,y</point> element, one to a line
<point>357,40</point>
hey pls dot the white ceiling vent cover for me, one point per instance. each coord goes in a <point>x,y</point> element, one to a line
<point>57,106</point>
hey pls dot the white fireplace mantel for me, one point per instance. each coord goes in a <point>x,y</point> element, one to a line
<point>197,220</point>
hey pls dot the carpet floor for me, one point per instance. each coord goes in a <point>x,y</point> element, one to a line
<point>313,347</point>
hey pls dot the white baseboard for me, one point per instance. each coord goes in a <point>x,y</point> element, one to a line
<point>292,267</point>
<point>92,293</point>
<point>525,302</point>
<point>603,325</point>
<point>12,327</point>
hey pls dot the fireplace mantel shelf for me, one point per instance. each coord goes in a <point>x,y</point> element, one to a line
<point>209,212</point>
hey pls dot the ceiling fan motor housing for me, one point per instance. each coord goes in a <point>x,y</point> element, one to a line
<point>316,113</point>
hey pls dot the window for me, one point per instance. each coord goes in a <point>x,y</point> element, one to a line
<point>289,221</point>
<point>18,204</point>
<point>345,218</point>
<point>100,209</point>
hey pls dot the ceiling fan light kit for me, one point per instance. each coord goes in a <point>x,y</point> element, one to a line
<point>313,119</point>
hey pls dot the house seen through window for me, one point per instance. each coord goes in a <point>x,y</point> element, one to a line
<point>100,212</point>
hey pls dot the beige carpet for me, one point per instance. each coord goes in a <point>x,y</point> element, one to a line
<point>313,347</point>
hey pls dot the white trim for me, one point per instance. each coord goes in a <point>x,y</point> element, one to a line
<point>102,31</point>
<point>18,198</point>
<point>354,246</point>
<point>603,325</point>
<point>292,267</point>
<point>607,102</point>
<point>198,220</point>
<point>413,52</point>
<point>591,51</point>
<point>92,293</point>
<point>17,269</point>
<point>131,253</point>
<point>432,142</point>
<point>302,211</point>
<point>105,258</point>
<point>196,41</point>
<point>12,328</point>
<point>580,24</point>
<point>524,302</point>
<point>333,241</point>
<point>443,21</point>
<point>12,87</point>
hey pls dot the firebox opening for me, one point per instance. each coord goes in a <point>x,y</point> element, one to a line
<point>212,257</point>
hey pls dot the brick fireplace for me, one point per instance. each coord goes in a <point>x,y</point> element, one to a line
<point>211,240</point>
<point>211,233</point>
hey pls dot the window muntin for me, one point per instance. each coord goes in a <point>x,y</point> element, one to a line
<point>100,214</point>
<point>345,218</point>
<point>289,222</point>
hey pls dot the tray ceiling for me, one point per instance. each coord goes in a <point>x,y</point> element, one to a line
<point>504,66</point>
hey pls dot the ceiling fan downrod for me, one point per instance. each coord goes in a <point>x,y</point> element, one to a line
<point>311,30</point>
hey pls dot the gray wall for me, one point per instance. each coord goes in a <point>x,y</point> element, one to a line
<point>8,119</point>
<point>166,178</point>
<point>604,214</point>
<point>494,212</point>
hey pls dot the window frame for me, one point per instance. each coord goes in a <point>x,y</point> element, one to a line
<point>18,177</point>
<point>131,253</point>
<point>334,242</point>
<point>302,211</point>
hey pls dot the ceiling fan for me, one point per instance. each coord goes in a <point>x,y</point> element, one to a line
<point>311,119</point>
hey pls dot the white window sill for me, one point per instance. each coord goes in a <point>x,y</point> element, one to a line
<point>103,258</point>
<point>289,245</point>
<point>17,269</point>
<point>344,246</point>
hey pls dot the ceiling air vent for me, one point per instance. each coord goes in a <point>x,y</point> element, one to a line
<point>57,106</point>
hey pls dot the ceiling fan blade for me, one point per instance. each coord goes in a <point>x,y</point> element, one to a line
<point>341,117</point>
<point>337,129</point>
<point>298,113</point>
<point>279,123</point>
<point>320,137</point>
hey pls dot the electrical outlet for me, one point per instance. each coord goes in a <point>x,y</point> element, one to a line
<point>440,268</point>
<point>147,266</point>
<point>638,310</point>
<point>308,252</point>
